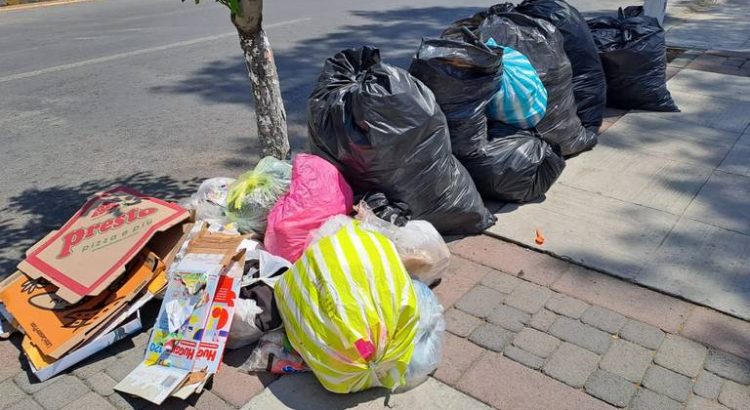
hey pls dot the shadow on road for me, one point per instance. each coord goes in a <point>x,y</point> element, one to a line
<point>38,211</point>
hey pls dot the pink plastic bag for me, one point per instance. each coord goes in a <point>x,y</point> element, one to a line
<point>318,191</point>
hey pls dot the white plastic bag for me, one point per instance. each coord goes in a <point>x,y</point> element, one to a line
<point>210,201</point>
<point>428,349</point>
<point>420,247</point>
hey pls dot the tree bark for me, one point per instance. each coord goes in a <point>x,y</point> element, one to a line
<point>269,105</point>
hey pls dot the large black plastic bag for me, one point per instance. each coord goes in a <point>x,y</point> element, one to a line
<point>542,43</point>
<point>386,133</point>
<point>464,78</point>
<point>519,167</point>
<point>634,55</point>
<point>589,84</point>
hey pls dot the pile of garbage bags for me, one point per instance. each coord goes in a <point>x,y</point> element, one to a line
<point>325,263</point>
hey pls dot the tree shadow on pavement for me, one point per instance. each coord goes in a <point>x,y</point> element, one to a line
<point>396,32</point>
<point>33,213</point>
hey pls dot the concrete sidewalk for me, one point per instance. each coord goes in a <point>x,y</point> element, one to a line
<point>663,199</point>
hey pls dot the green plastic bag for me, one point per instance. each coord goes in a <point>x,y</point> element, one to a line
<point>255,192</point>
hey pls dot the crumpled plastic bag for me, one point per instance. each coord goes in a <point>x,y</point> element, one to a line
<point>317,192</point>
<point>210,200</point>
<point>274,354</point>
<point>255,192</point>
<point>522,98</point>
<point>350,310</point>
<point>428,343</point>
<point>255,312</point>
<point>421,248</point>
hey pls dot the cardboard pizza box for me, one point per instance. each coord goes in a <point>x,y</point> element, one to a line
<point>91,250</point>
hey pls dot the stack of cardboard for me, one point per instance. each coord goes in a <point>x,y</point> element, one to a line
<point>80,288</point>
<point>190,333</point>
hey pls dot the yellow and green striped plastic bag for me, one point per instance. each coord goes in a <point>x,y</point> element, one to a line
<point>349,308</point>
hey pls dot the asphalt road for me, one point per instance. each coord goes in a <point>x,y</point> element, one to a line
<point>153,93</point>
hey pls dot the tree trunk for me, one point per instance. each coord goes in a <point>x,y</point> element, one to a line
<point>269,106</point>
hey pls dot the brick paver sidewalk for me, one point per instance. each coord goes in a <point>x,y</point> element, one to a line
<point>528,331</point>
<point>525,331</point>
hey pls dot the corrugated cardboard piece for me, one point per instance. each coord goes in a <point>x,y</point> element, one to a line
<point>90,251</point>
<point>55,326</point>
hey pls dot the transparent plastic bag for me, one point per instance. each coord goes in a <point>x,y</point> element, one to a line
<point>209,202</point>
<point>244,332</point>
<point>275,354</point>
<point>255,192</point>
<point>419,245</point>
<point>428,349</point>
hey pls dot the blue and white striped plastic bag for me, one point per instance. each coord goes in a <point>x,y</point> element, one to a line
<point>521,100</point>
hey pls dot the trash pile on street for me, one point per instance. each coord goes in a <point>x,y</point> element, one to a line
<point>324,263</point>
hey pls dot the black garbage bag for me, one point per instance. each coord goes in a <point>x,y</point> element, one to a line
<point>519,167</point>
<point>464,74</point>
<point>542,43</point>
<point>386,133</point>
<point>589,84</point>
<point>634,55</point>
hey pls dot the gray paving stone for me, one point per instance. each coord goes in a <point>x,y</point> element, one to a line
<point>10,393</point>
<point>569,212</point>
<point>91,401</point>
<point>730,191</point>
<point>60,393</point>
<point>571,365</point>
<point>728,366</point>
<point>30,384</point>
<point>642,334</point>
<point>635,176</point>
<point>708,385</point>
<point>647,400</point>
<point>627,360</point>
<point>566,305</point>
<point>25,404</point>
<point>124,365</point>
<point>693,248</point>
<point>603,319</point>
<point>525,358</point>
<point>736,161</point>
<point>480,301</point>
<point>508,317</point>
<point>501,282</point>
<point>127,402</point>
<point>491,337</point>
<point>735,396</point>
<point>95,365</point>
<point>528,297</point>
<point>671,384</point>
<point>101,383</point>
<point>536,342</point>
<point>610,387</point>
<point>580,334</point>
<point>542,320</point>
<point>712,112</point>
<point>460,323</point>
<point>681,355</point>
<point>699,403</point>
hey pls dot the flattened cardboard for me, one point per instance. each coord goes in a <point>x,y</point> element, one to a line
<point>55,326</point>
<point>45,367</point>
<point>91,250</point>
